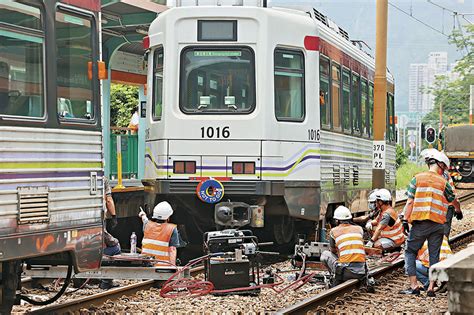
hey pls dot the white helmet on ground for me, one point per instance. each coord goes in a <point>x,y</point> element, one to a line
<point>373,195</point>
<point>384,195</point>
<point>162,211</point>
<point>433,154</point>
<point>342,213</point>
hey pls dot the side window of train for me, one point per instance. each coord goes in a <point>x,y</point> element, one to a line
<point>355,104</point>
<point>157,83</point>
<point>336,95</point>
<point>289,85</point>
<point>346,95</point>
<point>22,92</point>
<point>324,99</point>
<point>363,105</point>
<point>75,85</point>
<point>371,110</point>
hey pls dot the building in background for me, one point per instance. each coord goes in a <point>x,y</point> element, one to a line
<point>422,76</point>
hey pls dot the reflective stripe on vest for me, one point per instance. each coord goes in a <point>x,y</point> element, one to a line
<point>349,243</point>
<point>395,232</point>
<point>429,202</point>
<point>424,256</point>
<point>156,241</point>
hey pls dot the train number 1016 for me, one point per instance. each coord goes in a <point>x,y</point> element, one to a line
<point>215,132</point>
<point>314,135</point>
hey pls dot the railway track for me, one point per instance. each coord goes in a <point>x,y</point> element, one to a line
<point>99,298</point>
<point>324,298</point>
<point>328,301</point>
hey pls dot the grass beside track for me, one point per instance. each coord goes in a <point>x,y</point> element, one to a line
<point>406,172</point>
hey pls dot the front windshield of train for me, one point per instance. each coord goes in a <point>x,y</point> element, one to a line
<point>217,80</point>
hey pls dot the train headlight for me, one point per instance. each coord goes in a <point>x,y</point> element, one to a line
<point>243,167</point>
<point>466,166</point>
<point>184,167</point>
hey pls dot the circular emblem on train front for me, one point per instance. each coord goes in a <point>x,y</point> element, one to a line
<point>210,191</point>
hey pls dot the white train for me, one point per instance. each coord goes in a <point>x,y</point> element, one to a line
<point>275,103</point>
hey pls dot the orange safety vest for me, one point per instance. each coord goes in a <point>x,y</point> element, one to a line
<point>424,256</point>
<point>349,243</point>
<point>430,202</point>
<point>156,241</point>
<point>395,232</point>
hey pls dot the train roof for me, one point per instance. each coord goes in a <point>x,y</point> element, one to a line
<point>325,28</point>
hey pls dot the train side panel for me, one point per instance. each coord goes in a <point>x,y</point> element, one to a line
<point>52,195</point>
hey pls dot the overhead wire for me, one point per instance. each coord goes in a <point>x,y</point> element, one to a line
<point>418,20</point>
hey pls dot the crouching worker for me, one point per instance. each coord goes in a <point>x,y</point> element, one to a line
<point>423,261</point>
<point>160,238</point>
<point>388,234</point>
<point>346,258</point>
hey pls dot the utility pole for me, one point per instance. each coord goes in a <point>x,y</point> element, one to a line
<point>471,107</point>
<point>380,94</point>
<point>440,147</point>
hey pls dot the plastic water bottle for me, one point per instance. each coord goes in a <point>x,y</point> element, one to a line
<point>133,243</point>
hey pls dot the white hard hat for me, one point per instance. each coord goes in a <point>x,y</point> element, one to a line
<point>433,154</point>
<point>342,213</point>
<point>162,211</point>
<point>384,195</point>
<point>372,196</point>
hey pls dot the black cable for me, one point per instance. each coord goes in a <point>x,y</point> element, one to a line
<point>58,295</point>
<point>416,19</point>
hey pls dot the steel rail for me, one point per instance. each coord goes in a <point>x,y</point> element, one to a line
<point>102,297</point>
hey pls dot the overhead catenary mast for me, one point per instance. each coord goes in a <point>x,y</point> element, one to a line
<point>380,94</point>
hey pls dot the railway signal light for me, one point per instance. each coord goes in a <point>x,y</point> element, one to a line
<point>430,135</point>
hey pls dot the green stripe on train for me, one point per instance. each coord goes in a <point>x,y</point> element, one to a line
<point>49,164</point>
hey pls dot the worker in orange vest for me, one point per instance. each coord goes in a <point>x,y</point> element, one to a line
<point>454,207</point>
<point>423,261</point>
<point>346,258</point>
<point>428,196</point>
<point>160,238</point>
<point>388,232</point>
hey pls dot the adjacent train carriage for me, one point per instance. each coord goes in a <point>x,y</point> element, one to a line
<point>459,147</point>
<point>50,137</point>
<point>269,107</point>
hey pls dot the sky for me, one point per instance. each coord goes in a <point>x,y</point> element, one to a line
<point>409,41</point>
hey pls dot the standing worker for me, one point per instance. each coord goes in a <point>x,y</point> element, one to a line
<point>428,196</point>
<point>160,238</point>
<point>134,121</point>
<point>388,233</point>
<point>454,207</point>
<point>346,258</point>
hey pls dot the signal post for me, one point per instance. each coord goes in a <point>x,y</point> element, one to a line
<point>380,94</point>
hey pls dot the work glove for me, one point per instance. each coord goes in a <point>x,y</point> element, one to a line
<point>406,227</point>
<point>369,244</point>
<point>113,222</point>
<point>458,215</point>
<point>142,214</point>
<point>368,226</point>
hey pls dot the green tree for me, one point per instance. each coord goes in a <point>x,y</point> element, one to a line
<point>123,100</point>
<point>401,156</point>
<point>453,96</point>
